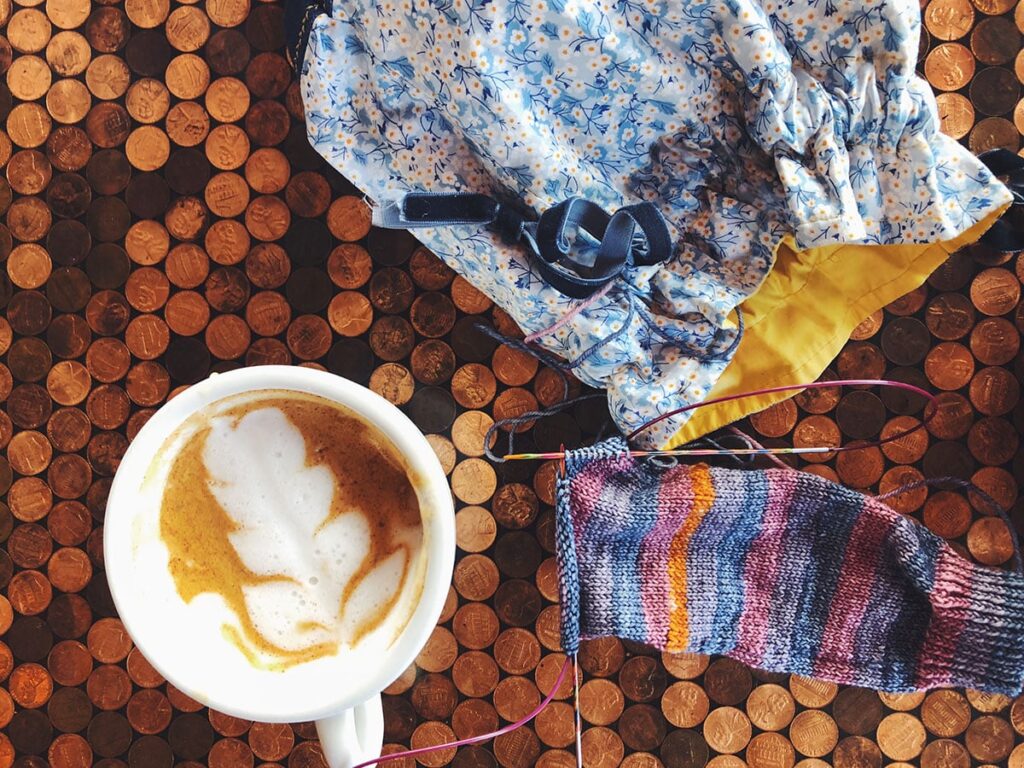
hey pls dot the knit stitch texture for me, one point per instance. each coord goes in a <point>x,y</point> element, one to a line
<point>782,570</point>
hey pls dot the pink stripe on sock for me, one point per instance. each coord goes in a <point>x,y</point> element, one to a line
<point>655,588</point>
<point>762,568</point>
<point>849,601</point>
<point>587,488</point>
<point>951,601</point>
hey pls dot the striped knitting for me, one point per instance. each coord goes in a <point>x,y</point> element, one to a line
<point>781,570</point>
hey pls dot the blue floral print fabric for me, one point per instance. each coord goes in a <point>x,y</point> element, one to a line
<point>743,121</point>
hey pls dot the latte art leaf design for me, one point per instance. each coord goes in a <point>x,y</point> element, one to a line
<point>300,519</point>
<point>284,530</point>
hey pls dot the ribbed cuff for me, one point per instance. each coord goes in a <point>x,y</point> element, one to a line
<point>976,635</point>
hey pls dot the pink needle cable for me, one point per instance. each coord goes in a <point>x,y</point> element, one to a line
<point>482,737</point>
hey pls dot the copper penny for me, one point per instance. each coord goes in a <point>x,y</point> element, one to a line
<point>147,337</point>
<point>68,53</point>
<point>995,40</point>
<point>727,730</point>
<point>475,531</point>
<point>993,133</point>
<point>467,298</point>
<point>432,315</point>
<point>28,125</point>
<point>267,218</point>
<point>227,195</point>
<point>995,291</point>
<point>227,242</point>
<point>350,313</point>
<point>428,271</point>
<point>29,219</point>
<point>271,741</point>
<point>440,651</point>
<point>814,733</point>
<point>70,663</point>
<point>29,172</point>
<point>147,13</point>
<point>147,100</point>
<point>953,416</point>
<point>30,685</point>
<point>348,218</point>
<point>227,146</point>
<point>950,316</point>
<point>685,704</point>
<point>476,577</point>
<point>946,713</point>
<point>949,19</point>
<point>469,430</point>
<point>187,124</point>
<point>995,341</point>
<point>187,28</point>
<point>856,710</point>
<point>989,541</point>
<point>901,736</point>
<point>267,170</point>
<point>68,148</point>
<point>393,382</point>
<point>906,501</point>
<point>29,452</point>
<point>107,77</point>
<point>267,313</point>
<point>956,114</point>
<point>69,477</point>
<point>69,523</point>
<point>770,750</point>
<point>267,266</point>
<point>29,499</point>
<point>993,441</point>
<point>997,483</point>
<point>989,739</point>
<point>29,592</point>
<point>392,338</point>
<point>994,91</point>
<point>949,66</point>
<point>227,100</point>
<point>949,365</point>
<point>994,391</point>
<point>511,406</point>
<point>147,148</point>
<point>28,78</point>
<point>432,361</point>
<point>28,30</point>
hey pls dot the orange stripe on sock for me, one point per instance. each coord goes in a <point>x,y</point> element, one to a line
<point>703,498</point>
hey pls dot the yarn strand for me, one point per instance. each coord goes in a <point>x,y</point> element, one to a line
<point>966,485</point>
<point>569,662</point>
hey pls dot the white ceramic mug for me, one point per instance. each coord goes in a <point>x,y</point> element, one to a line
<point>184,647</point>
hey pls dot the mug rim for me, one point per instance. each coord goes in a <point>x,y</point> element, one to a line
<point>384,416</point>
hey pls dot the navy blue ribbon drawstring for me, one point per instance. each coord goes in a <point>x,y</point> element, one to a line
<point>636,235</point>
<point>1007,234</point>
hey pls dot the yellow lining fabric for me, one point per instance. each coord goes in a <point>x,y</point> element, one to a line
<point>804,312</point>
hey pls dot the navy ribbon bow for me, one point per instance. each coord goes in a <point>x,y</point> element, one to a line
<point>635,235</point>
<point>1007,234</point>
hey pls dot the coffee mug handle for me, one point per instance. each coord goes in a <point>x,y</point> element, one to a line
<point>353,736</point>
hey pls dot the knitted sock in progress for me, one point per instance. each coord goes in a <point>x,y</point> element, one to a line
<point>781,570</point>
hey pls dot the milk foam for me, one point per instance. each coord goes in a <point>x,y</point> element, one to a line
<point>285,530</point>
